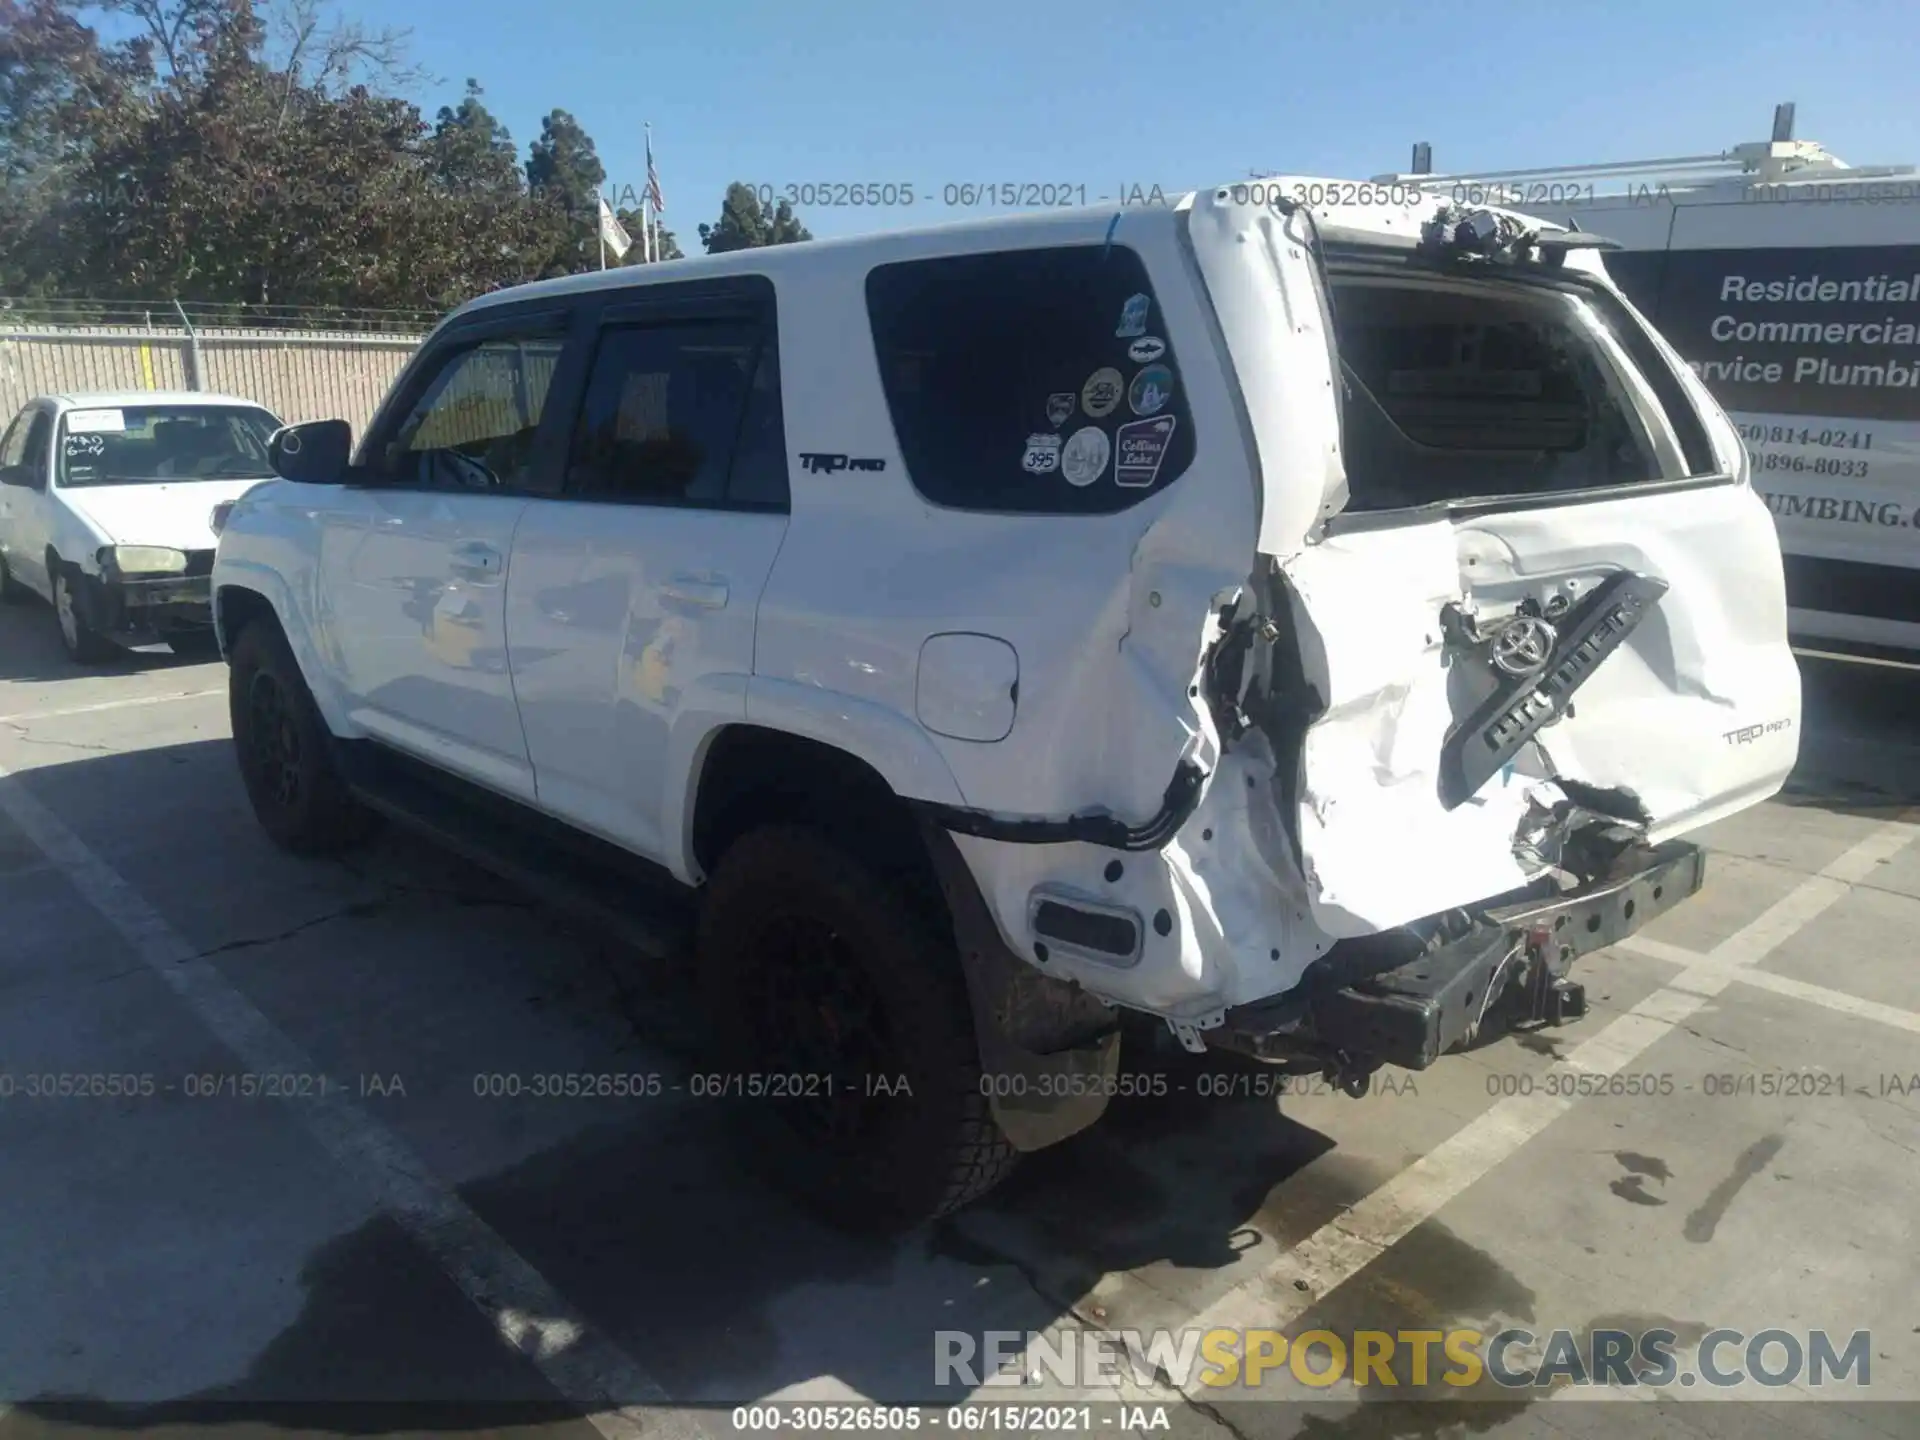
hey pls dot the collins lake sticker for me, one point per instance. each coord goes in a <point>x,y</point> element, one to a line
<point>1142,445</point>
<point>1133,316</point>
<point>1085,458</point>
<point>1060,408</point>
<point>1102,393</point>
<point>1150,391</point>
<point>1043,455</point>
<point>1147,347</point>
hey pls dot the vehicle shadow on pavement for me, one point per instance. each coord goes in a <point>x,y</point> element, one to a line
<point>644,1217</point>
<point>30,649</point>
<point>1859,740</point>
<point>652,1228</point>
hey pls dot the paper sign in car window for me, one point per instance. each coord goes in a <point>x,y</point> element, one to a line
<point>96,422</point>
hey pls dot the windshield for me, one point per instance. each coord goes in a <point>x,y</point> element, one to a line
<point>155,444</point>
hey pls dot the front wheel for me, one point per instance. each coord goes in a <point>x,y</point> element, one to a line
<point>285,753</point>
<point>83,643</point>
<point>846,1035</point>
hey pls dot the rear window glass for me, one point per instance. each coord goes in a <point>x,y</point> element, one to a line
<point>1031,381</point>
<point>1468,389</point>
<point>155,444</point>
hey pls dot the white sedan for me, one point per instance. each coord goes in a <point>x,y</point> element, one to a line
<point>105,510</point>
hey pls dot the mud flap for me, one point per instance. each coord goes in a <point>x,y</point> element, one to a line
<point>1049,1051</point>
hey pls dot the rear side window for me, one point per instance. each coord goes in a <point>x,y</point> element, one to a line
<point>684,413</point>
<point>1031,381</point>
<point>1459,390</point>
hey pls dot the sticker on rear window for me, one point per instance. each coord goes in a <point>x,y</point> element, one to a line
<point>1084,460</point>
<point>1043,455</point>
<point>1133,316</point>
<point>1147,347</point>
<point>1102,393</point>
<point>88,422</point>
<point>1142,445</point>
<point>1060,408</point>
<point>1150,391</point>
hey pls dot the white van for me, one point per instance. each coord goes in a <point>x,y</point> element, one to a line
<point>1790,282</point>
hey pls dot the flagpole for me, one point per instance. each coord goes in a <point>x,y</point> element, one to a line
<point>600,231</point>
<point>649,215</point>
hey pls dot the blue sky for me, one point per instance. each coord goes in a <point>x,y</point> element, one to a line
<point>1174,92</point>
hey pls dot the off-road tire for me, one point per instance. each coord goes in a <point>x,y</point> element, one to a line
<point>12,592</point>
<point>930,1153</point>
<point>285,753</point>
<point>84,645</point>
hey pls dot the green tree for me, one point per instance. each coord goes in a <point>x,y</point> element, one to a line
<point>268,171</point>
<point>564,175</point>
<point>744,223</point>
<point>668,246</point>
<point>57,86</point>
<point>471,151</point>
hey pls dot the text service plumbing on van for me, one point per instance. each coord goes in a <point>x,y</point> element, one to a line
<point>1888,332</point>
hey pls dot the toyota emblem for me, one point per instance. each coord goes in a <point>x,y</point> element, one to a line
<point>1523,644</point>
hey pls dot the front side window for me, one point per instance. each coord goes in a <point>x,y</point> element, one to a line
<point>161,444</point>
<point>1458,390</point>
<point>1031,381</point>
<point>473,427</point>
<point>683,413</point>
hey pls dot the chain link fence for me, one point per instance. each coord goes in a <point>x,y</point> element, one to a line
<point>301,363</point>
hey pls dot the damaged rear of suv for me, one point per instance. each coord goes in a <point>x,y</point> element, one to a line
<point>1511,623</point>
<point>1306,629</point>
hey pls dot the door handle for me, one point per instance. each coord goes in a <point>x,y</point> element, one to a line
<point>477,560</point>
<point>693,590</point>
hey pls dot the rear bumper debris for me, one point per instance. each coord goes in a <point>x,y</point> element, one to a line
<point>1415,1008</point>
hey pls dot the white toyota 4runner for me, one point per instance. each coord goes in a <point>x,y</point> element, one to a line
<point>1310,628</point>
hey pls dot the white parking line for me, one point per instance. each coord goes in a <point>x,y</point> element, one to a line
<point>528,1314</point>
<point>25,717</point>
<point>1301,1277</point>
<point>1838,1001</point>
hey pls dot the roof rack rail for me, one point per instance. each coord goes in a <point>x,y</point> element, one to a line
<point>1768,162</point>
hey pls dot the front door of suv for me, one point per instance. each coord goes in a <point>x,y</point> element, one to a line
<point>414,561</point>
<point>632,600</point>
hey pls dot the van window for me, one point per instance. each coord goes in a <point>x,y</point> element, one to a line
<point>1466,389</point>
<point>1031,381</point>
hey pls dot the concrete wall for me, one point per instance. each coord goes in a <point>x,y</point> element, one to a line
<point>299,375</point>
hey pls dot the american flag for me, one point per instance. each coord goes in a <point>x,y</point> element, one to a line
<point>653,178</point>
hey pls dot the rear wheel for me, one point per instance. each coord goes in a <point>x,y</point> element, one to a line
<point>12,592</point>
<point>846,1034</point>
<point>83,643</point>
<point>285,753</point>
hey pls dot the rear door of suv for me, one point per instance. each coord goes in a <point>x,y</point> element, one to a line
<point>631,602</point>
<point>1523,563</point>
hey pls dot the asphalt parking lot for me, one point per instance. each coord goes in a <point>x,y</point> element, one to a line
<point>406,1251</point>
